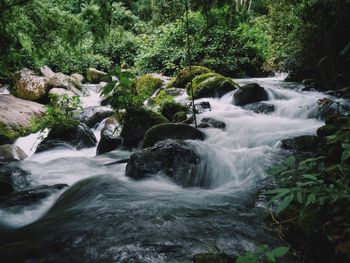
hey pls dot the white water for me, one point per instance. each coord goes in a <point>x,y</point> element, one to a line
<point>233,163</point>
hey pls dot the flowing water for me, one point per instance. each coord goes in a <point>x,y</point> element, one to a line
<point>106,217</point>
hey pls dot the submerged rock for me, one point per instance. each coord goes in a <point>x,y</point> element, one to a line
<point>174,159</point>
<point>31,196</point>
<point>136,122</point>
<point>260,107</point>
<point>110,139</point>
<point>186,75</point>
<point>166,131</point>
<point>93,115</point>
<point>16,116</point>
<point>211,85</point>
<point>249,93</point>
<point>79,137</point>
<point>211,122</point>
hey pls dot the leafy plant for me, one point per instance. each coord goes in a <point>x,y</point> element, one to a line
<point>264,252</point>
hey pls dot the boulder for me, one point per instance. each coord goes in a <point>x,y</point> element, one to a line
<point>78,77</point>
<point>249,93</point>
<point>56,93</point>
<point>201,107</point>
<point>174,159</point>
<point>136,122</point>
<point>110,139</point>
<point>211,85</point>
<point>147,85</point>
<point>94,75</point>
<point>63,81</point>
<point>180,117</point>
<point>5,140</point>
<point>78,137</point>
<point>166,131</point>
<point>310,84</point>
<point>327,130</point>
<point>186,75</point>
<point>15,176</point>
<point>93,115</point>
<point>169,108</point>
<point>31,196</point>
<point>260,107</point>
<point>16,116</point>
<point>213,258</point>
<point>10,153</point>
<point>211,122</point>
<point>30,87</point>
<point>306,143</point>
<point>47,72</point>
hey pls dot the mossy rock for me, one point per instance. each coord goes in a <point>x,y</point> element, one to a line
<point>166,131</point>
<point>250,93</point>
<point>136,122</point>
<point>147,85</point>
<point>180,116</point>
<point>327,130</point>
<point>211,85</point>
<point>186,75</point>
<point>169,108</point>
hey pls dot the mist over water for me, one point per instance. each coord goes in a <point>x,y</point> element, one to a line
<point>105,216</point>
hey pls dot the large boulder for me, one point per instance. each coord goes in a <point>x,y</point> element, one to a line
<point>16,116</point>
<point>260,107</point>
<point>94,75</point>
<point>147,85</point>
<point>174,159</point>
<point>31,196</point>
<point>136,122</point>
<point>249,93</point>
<point>78,137</point>
<point>169,108</point>
<point>187,74</point>
<point>110,139</point>
<point>56,95</point>
<point>30,87</point>
<point>93,115</point>
<point>10,153</point>
<point>166,131</point>
<point>78,77</point>
<point>211,85</point>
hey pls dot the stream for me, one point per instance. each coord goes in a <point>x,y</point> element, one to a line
<point>106,217</point>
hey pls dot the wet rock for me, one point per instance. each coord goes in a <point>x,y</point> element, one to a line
<point>306,143</point>
<point>6,187</point>
<point>79,137</point>
<point>30,87</point>
<point>310,84</point>
<point>136,122</point>
<point>16,116</point>
<point>174,159</point>
<point>260,107</point>
<point>202,107</point>
<point>186,75</point>
<point>249,93</point>
<point>10,153</point>
<point>169,108</point>
<point>327,130</point>
<point>110,139</point>
<point>11,179</point>
<point>211,122</point>
<point>166,131</point>
<point>211,85</point>
<point>31,196</point>
<point>93,115</point>
<point>95,76</point>
<point>212,258</point>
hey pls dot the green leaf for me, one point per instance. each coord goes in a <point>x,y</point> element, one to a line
<point>310,176</point>
<point>346,146</point>
<point>270,257</point>
<point>280,251</point>
<point>290,162</point>
<point>249,257</point>
<point>299,197</point>
<point>117,70</point>
<point>311,199</point>
<point>285,203</point>
<point>277,191</point>
<point>262,248</point>
<point>345,156</point>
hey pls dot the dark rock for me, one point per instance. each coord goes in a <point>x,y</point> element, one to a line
<point>175,159</point>
<point>203,125</point>
<point>213,123</point>
<point>31,196</point>
<point>106,101</point>
<point>306,143</point>
<point>337,119</point>
<point>212,258</point>
<point>309,84</point>
<point>94,115</point>
<point>166,131</point>
<point>202,107</point>
<point>327,130</point>
<point>5,185</point>
<point>110,139</point>
<point>17,177</point>
<point>5,140</point>
<point>10,153</point>
<point>180,117</point>
<point>168,109</point>
<point>79,137</point>
<point>260,107</point>
<point>136,122</point>
<point>249,93</point>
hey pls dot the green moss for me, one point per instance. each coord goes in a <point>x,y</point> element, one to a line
<point>211,85</point>
<point>185,75</point>
<point>161,98</point>
<point>14,132</point>
<point>180,116</point>
<point>169,108</point>
<point>166,131</point>
<point>147,85</point>
<point>170,84</point>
